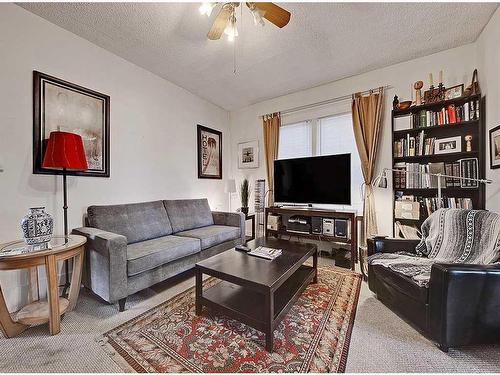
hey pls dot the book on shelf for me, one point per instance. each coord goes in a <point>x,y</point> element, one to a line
<point>452,169</point>
<point>429,205</point>
<point>437,168</point>
<point>414,146</point>
<point>468,168</point>
<point>417,175</point>
<point>449,114</point>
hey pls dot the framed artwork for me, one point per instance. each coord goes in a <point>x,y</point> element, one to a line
<point>63,106</point>
<point>434,95</point>
<point>248,155</point>
<point>495,147</point>
<point>454,92</point>
<point>209,153</point>
<point>448,145</point>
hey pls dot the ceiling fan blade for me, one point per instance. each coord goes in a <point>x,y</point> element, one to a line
<point>274,14</point>
<point>220,23</point>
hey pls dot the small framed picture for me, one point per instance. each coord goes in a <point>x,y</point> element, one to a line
<point>448,145</point>
<point>248,155</point>
<point>495,147</point>
<point>209,153</point>
<point>454,92</point>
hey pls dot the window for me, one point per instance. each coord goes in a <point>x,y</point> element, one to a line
<point>335,135</point>
<point>295,140</point>
<point>324,136</point>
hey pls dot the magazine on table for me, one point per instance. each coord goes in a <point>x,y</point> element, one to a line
<point>266,252</point>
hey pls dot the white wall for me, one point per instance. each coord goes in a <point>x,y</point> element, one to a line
<point>153,130</point>
<point>457,63</point>
<point>488,49</point>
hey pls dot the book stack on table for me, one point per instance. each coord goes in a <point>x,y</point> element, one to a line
<point>266,252</point>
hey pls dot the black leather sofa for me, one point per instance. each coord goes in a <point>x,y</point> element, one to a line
<point>461,305</point>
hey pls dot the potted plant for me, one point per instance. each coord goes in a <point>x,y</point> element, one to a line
<point>245,195</point>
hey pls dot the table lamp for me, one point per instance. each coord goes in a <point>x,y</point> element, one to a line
<point>65,151</point>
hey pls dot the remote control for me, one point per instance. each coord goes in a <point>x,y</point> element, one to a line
<point>244,248</point>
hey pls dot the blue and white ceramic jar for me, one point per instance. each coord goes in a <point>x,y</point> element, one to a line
<point>37,226</point>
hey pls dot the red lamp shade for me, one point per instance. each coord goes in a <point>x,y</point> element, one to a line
<point>65,151</point>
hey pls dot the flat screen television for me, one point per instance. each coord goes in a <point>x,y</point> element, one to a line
<point>320,180</point>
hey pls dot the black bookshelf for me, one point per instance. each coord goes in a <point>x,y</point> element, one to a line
<point>474,127</point>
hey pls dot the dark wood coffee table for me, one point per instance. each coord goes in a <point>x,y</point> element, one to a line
<point>256,291</point>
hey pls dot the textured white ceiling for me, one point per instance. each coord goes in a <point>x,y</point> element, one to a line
<point>323,42</point>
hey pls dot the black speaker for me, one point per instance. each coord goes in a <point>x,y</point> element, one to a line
<point>317,225</point>
<point>341,228</point>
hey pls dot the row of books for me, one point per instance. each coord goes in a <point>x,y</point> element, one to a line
<point>432,204</point>
<point>414,146</point>
<point>450,114</point>
<point>429,205</point>
<point>469,169</point>
<point>416,176</point>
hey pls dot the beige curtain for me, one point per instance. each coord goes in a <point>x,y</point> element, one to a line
<point>271,127</point>
<point>367,123</point>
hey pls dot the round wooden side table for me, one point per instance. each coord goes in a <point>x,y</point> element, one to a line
<point>17,255</point>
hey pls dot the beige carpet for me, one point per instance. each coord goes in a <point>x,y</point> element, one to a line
<point>381,341</point>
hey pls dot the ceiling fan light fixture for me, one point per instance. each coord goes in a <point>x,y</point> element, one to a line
<point>231,31</point>
<point>258,16</point>
<point>206,8</point>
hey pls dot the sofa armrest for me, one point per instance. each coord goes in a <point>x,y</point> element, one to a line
<point>390,245</point>
<point>232,219</point>
<point>463,303</point>
<point>106,243</point>
<point>106,262</point>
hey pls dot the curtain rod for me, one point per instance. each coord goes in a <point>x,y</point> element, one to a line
<point>325,102</point>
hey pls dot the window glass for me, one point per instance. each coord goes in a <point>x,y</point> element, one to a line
<point>295,140</point>
<point>336,136</point>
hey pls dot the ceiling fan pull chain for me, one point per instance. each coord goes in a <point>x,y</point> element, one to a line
<point>234,57</point>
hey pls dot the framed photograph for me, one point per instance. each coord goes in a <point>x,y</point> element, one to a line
<point>248,155</point>
<point>209,153</point>
<point>454,92</point>
<point>495,147</point>
<point>448,145</point>
<point>63,106</point>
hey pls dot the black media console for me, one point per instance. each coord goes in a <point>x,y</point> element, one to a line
<point>315,224</point>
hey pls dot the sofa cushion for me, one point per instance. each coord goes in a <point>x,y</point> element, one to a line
<point>404,284</point>
<point>136,221</point>
<point>185,214</point>
<point>146,255</point>
<point>212,235</point>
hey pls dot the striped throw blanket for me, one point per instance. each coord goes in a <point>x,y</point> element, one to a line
<point>449,235</point>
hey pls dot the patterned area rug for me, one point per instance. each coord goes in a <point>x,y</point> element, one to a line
<point>313,337</point>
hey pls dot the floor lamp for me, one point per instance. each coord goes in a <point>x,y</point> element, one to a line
<point>230,188</point>
<point>64,152</point>
<point>381,180</point>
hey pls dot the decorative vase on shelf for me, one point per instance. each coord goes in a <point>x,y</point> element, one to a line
<point>37,226</point>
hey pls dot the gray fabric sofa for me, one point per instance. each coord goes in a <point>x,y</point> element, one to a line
<point>131,247</point>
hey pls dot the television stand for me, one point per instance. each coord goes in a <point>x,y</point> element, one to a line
<point>285,213</point>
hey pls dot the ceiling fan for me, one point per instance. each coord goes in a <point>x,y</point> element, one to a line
<point>225,22</point>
